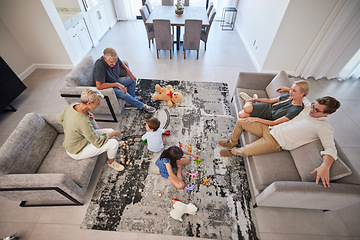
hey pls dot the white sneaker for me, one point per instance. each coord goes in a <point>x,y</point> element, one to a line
<point>255,96</point>
<point>244,96</point>
<point>116,166</point>
<point>149,109</point>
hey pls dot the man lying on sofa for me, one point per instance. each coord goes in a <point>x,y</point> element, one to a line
<point>304,128</point>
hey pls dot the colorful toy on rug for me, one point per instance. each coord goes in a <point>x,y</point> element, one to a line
<point>180,145</point>
<point>181,208</point>
<point>197,160</point>
<point>206,179</point>
<point>167,133</point>
<point>190,188</point>
<point>167,94</point>
<point>189,147</point>
<point>193,174</point>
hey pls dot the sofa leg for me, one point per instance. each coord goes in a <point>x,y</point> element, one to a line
<point>73,201</point>
<point>255,205</point>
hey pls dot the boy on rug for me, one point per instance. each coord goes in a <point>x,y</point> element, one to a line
<point>172,158</point>
<point>154,135</point>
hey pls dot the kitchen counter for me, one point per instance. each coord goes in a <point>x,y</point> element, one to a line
<point>70,16</point>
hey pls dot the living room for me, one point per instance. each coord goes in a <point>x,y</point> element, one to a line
<point>225,57</point>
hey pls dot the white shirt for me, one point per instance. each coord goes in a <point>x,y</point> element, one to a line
<point>154,140</point>
<point>304,129</point>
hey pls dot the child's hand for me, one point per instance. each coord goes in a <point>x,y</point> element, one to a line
<point>196,156</point>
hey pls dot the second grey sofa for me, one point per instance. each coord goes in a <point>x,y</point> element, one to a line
<point>35,167</point>
<point>284,179</point>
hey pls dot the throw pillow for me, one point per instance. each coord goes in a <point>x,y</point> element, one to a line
<point>281,79</point>
<point>307,158</point>
<point>25,149</point>
<point>82,74</point>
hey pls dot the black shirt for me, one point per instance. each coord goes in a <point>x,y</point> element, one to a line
<point>104,73</point>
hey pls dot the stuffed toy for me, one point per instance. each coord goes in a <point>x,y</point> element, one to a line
<point>181,208</point>
<point>167,94</point>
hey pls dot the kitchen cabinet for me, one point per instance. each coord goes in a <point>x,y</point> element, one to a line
<point>98,20</point>
<point>80,38</point>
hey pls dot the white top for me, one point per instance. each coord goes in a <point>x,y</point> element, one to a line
<point>154,140</point>
<point>304,129</point>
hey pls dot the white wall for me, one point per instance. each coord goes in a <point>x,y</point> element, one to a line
<point>28,23</point>
<point>283,30</point>
<point>110,10</point>
<point>259,20</point>
<point>12,52</point>
<point>302,21</point>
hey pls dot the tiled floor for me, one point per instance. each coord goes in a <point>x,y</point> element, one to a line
<point>224,58</point>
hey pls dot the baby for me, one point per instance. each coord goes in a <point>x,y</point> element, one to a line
<point>154,135</point>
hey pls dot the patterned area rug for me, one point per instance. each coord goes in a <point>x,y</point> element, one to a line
<point>139,199</point>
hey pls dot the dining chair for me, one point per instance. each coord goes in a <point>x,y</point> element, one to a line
<point>163,37</point>
<point>192,36</point>
<point>149,29</point>
<point>186,2</point>
<point>205,32</point>
<point>167,2</point>
<point>211,5</point>
<point>148,6</point>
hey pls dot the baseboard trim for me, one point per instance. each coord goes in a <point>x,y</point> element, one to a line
<point>33,67</point>
<point>54,66</point>
<point>27,72</point>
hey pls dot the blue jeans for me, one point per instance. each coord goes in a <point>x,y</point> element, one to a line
<point>129,97</point>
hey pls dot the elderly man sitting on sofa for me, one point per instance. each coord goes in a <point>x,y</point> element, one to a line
<point>301,130</point>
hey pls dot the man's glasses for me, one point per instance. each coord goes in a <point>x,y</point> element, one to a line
<point>315,109</point>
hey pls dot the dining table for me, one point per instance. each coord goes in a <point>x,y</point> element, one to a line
<point>178,20</point>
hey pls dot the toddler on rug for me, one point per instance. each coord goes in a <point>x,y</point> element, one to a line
<point>154,135</point>
<point>172,158</point>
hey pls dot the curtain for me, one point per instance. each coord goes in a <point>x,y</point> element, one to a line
<point>336,43</point>
<point>125,10</point>
<point>352,68</point>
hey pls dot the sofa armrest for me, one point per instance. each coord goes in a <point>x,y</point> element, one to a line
<point>251,80</point>
<point>78,89</point>
<point>109,93</point>
<point>309,195</point>
<point>24,187</point>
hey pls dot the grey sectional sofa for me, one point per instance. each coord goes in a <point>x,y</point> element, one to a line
<point>283,179</point>
<point>34,166</point>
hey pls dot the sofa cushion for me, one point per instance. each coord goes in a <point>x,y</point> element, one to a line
<point>57,161</point>
<point>82,74</point>
<point>272,167</point>
<point>281,79</point>
<point>307,158</point>
<point>27,146</point>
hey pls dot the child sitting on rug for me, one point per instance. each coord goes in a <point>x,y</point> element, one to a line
<point>154,135</point>
<point>172,158</point>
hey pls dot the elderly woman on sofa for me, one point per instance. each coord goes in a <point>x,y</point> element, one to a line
<point>81,139</point>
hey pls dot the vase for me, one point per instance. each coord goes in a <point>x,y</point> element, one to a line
<point>179,11</point>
